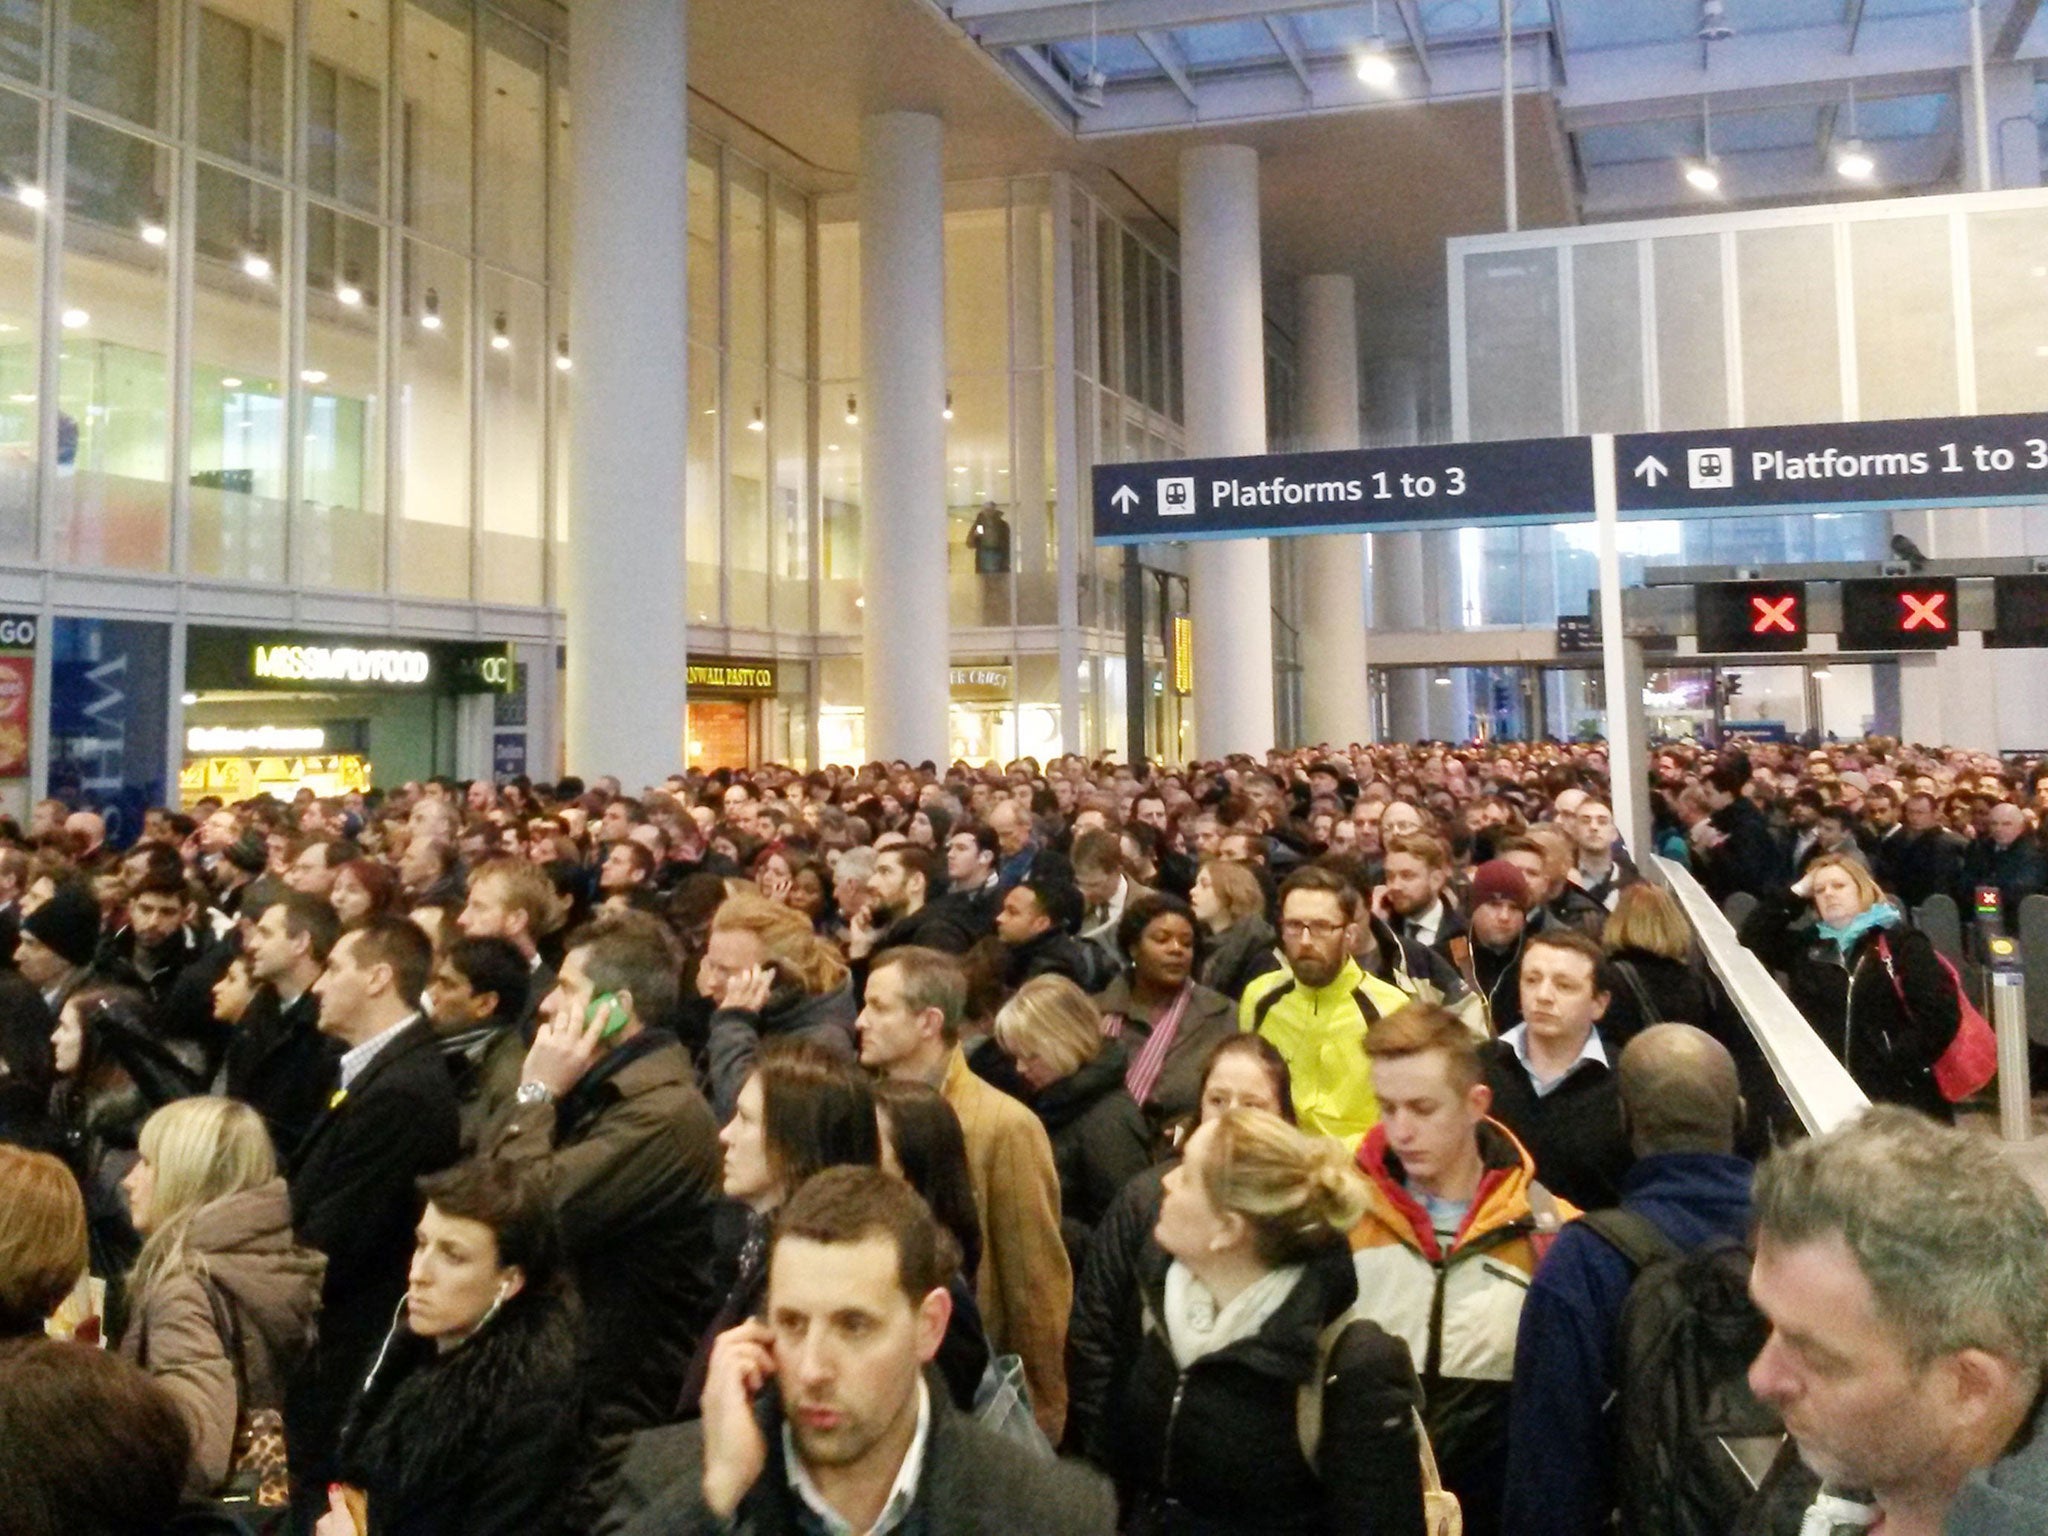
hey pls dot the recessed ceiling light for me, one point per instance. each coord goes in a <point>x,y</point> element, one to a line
<point>1703,176</point>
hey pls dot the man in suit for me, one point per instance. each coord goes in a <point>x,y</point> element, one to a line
<point>391,1120</point>
<point>278,1062</point>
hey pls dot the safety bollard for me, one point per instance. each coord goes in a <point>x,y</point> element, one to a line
<point>2009,1020</point>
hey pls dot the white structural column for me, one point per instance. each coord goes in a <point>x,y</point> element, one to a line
<point>1223,362</point>
<point>1400,570</point>
<point>903,436</point>
<point>1335,704</point>
<point>629,408</point>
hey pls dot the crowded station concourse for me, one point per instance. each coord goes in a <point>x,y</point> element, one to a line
<point>1172,1253</point>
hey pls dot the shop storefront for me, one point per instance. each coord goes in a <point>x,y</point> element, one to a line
<point>269,712</point>
<point>729,702</point>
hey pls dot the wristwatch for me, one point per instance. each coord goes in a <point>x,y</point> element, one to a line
<point>534,1093</point>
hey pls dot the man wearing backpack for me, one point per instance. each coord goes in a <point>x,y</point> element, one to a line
<point>1456,1225</point>
<point>1587,1330</point>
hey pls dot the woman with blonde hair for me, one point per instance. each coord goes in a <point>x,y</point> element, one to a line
<point>223,1300</point>
<point>1230,905</point>
<point>1649,958</point>
<point>1211,1433</point>
<point>769,976</point>
<point>1871,986</point>
<point>1076,1082</point>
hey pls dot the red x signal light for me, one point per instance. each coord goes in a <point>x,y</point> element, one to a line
<point>1898,613</point>
<point>1924,610</point>
<point>1772,615</point>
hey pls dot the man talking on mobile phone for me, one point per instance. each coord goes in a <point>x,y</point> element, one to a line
<point>819,1417</point>
<point>607,1114</point>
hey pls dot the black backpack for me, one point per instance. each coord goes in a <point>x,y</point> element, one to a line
<point>1691,1440</point>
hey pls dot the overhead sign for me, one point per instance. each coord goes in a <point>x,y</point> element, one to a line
<point>1545,479</point>
<point>1577,634</point>
<point>1921,462</point>
<point>339,664</point>
<point>722,676</point>
<point>237,659</point>
<point>1751,615</point>
<point>2019,606</point>
<point>1914,613</point>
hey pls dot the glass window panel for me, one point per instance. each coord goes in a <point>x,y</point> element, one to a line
<point>515,367</point>
<point>746,491</point>
<point>1155,333</point>
<point>434,79</point>
<point>1791,351</point>
<point>560,205</point>
<point>1031,296</point>
<point>341,472</point>
<point>2009,308</point>
<point>1109,326</point>
<point>348,52</point>
<point>1607,326</point>
<point>1174,408</point>
<point>838,302</point>
<point>1905,318</point>
<point>239,394</point>
<point>1692,342</point>
<point>977,290</point>
<point>789,529</point>
<point>120,50</point>
<point>981,532</point>
<point>1132,314</point>
<point>240,90</point>
<point>512,192</point>
<point>21,39</point>
<point>1512,364</point>
<point>1034,507</point>
<point>432,421</point>
<point>702,544</point>
<point>839,507</point>
<point>703,241</point>
<point>1081,257</point>
<point>747,249</point>
<point>20,310</point>
<point>560,381</point>
<point>790,348</point>
<point>113,392</point>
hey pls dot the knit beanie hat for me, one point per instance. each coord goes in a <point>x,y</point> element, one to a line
<point>1499,880</point>
<point>69,922</point>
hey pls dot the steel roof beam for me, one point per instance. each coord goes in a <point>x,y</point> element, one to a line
<point>1853,20</point>
<point>1288,41</point>
<point>1167,55</point>
<point>1418,34</point>
<point>2010,20</point>
<point>1654,188</point>
<point>1009,23</point>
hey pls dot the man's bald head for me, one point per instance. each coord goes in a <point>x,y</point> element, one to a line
<point>1680,1091</point>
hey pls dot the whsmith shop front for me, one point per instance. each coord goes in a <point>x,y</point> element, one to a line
<point>277,711</point>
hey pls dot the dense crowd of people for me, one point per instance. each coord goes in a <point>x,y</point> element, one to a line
<point>1261,1147</point>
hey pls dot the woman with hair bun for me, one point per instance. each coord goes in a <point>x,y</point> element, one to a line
<point>1211,1436</point>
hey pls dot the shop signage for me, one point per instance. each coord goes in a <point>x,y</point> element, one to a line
<point>17,631</point>
<point>1183,654</point>
<point>989,684</point>
<point>1926,462</point>
<point>232,659</point>
<point>239,778</point>
<point>1545,479</point>
<point>727,676</point>
<point>339,664</point>
<point>227,739</point>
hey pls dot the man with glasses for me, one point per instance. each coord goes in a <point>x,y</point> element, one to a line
<point>1317,1010</point>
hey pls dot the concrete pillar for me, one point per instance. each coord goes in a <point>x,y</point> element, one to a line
<point>623,572</point>
<point>903,436</point>
<point>1223,361</point>
<point>1399,571</point>
<point>1336,706</point>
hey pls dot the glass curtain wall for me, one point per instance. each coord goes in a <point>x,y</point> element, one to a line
<point>299,265</point>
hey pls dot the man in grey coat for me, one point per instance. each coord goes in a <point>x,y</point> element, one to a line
<point>821,1418</point>
<point>1903,1267</point>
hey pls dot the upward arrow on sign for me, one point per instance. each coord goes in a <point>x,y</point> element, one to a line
<point>1651,470</point>
<point>1123,499</point>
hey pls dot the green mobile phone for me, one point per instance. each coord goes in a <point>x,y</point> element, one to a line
<point>607,1013</point>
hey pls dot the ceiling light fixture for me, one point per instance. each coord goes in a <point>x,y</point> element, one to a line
<point>154,233</point>
<point>29,195</point>
<point>1852,161</point>
<point>313,375</point>
<point>1714,26</point>
<point>257,265</point>
<point>852,412</point>
<point>759,423</point>
<point>348,290</point>
<point>501,341</point>
<point>230,383</point>
<point>947,413</point>
<point>1088,90</point>
<point>562,363</point>
<point>1374,65</point>
<point>430,311</point>
<point>76,319</point>
<point>1704,174</point>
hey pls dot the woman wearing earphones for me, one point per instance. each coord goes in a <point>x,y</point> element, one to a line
<point>466,1422</point>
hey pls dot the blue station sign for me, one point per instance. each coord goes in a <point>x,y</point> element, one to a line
<point>1969,461</point>
<point>1534,480</point>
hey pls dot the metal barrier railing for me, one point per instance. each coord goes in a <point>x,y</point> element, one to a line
<point>1815,1083</point>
